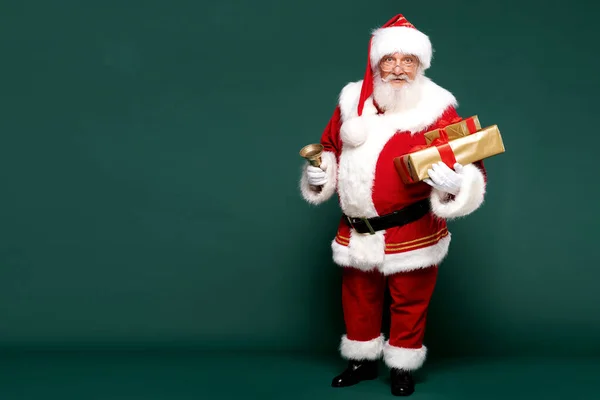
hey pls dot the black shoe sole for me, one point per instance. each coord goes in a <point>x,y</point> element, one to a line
<point>402,394</point>
<point>366,378</point>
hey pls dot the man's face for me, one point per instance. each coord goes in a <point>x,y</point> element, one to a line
<point>398,69</point>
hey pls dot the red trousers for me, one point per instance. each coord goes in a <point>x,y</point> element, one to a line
<point>362,300</point>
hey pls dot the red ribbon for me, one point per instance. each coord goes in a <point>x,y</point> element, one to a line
<point>471,125</point>
<point>446,153</point>
<point>443,147</point>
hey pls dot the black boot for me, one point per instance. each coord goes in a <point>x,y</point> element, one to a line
<point>402,383</point>
<point>356,372</point>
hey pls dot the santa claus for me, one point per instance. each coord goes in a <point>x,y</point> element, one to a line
<point>391,235</point>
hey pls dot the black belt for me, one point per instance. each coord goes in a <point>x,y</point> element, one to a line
<point>401,217</point>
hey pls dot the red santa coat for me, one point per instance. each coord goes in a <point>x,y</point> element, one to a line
<point>359,153</point>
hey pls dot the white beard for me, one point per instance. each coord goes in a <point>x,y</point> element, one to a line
<point>393,99</point>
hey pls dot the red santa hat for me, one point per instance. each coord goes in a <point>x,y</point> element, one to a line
<point>396,35</point>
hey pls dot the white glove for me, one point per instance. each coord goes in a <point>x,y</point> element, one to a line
<point>444,178</point>
<point>317,175</point>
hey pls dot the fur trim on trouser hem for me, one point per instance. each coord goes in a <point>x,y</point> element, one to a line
<point>404,358</point>
<point>361,350</point>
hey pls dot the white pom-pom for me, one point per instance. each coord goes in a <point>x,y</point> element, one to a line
<point>354,132</point>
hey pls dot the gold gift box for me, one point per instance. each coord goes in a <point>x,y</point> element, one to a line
<point>465,127</point>
<point>467,148</point>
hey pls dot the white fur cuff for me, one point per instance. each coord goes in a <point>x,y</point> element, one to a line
<point>314,195</point>
<point>361,350</point>
<point>469,198</point>
<point>403,358</point>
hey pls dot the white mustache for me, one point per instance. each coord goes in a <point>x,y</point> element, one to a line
<point>392,76</point>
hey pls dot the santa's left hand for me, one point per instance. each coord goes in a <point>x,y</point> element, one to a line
<point>444,178</point>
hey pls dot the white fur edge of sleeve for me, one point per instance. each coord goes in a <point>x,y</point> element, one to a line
<point>469,198</point>
<point>317,197</point>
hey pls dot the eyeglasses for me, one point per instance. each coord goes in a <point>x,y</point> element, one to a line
<point>388,63</point>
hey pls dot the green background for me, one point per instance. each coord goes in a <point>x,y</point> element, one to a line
<point>149,172</point>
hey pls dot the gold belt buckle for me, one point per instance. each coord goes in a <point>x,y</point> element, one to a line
<point>365,220</point>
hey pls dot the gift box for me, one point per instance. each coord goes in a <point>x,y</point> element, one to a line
<point>464,142</point>
<point>457,130</point>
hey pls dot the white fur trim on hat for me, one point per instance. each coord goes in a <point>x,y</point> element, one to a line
<point>403,40</point>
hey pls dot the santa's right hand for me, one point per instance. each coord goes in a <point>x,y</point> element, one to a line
<point>316,176</point>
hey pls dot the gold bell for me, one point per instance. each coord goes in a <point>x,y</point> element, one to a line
<point>312,153</point>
